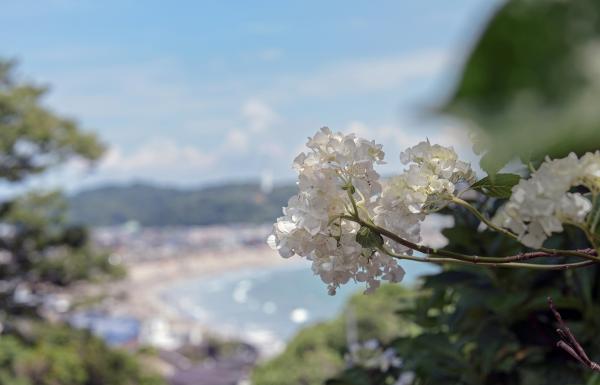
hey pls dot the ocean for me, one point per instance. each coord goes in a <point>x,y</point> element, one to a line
<point>265,306</point>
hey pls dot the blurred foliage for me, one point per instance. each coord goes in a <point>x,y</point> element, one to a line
<point>40,354</point>
<point>43,248</point>
<point>317,352</point>
<point>492,326</point>
<point>500,186</point>
<point>532,82</point>
<point>160,206</point>
<point>40,251</point>
<point>214,347</point>
<point>33,137</point>
<point>38,247</point>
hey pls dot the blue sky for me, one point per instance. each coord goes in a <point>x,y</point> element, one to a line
<point>197,92</point>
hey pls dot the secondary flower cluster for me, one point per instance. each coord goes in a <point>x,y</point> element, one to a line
<point>540,205</point>
<point>371,355</point>
<point>427,185</point>
<point>337,182</point>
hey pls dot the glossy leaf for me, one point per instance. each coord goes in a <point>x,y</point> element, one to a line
<point>499,186</point>
<point>531,82</point>
<point>367,238</point>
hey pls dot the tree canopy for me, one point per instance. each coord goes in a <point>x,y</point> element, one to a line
<point>35,138</point>
<point>531,82</point>
<point>40,250</point>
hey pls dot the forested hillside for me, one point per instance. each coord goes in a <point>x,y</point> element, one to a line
<point>165,206</point>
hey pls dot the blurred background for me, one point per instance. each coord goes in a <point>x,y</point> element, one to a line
<point>146,149</point>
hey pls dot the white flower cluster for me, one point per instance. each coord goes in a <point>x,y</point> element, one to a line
<point>427,185</point>
<point>311,227</point>
<point>339,166</point>
<point>540,205</point>
<point>371,355</point>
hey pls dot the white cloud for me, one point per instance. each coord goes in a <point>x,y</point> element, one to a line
<point>259,115</point>
<point>367,75</point>
<point>359,129</point>
<point>154,157</point>
<point>129,101</point>
<point>153,88</point>
<point>402,135</point>
<point>235,140</point>
<point>398,137</point>
<point>161,160</point>
<point>273,150</point>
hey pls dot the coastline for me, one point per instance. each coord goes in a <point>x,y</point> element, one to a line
<point>138,295</point>
<point>151,270</point>
<point>145,280</point>
<point>167,320</point>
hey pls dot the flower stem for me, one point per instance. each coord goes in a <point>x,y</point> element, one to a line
<point>353,201</point>
<point>513,265</point>
<point>451,256</point>
<point>490,224</point>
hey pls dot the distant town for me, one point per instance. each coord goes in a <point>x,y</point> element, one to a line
<point>131,243</point>
<point>157,252</point>
<point>131,314</point>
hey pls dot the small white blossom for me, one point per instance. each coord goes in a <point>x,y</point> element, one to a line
<point>311,227</point>
<point>371,355</point>
<point>338,165</point>
<point>428,184</point>
<point>590,171</point>
<point>438,160</point>
<point>540,205</point>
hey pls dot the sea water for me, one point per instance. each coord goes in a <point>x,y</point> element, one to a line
<point>265,306</point>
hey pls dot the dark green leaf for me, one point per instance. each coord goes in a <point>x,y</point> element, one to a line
<point>368,238</point>
<point>594,219</point>
<point>493,162</point>
<point>530,82</point>
<point>498,187</point>
<point>350,188</point>
<point>351,376</point>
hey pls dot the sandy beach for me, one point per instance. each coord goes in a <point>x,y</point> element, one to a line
<point>157,265</point>
<point>150,271</point>
<point>139,293</point>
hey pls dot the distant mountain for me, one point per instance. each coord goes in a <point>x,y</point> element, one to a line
<point>163,206</point>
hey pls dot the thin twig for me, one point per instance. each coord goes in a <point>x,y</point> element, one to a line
<point>569,343</point>
<point>490,224</point>
<point>508,261</point>
<point>433,258</point>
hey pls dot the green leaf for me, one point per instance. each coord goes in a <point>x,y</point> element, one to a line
<point>350,188</point>
<point>498,187</point>
<point>25,122</point>
<point>492,162</point>
<point>351,376</point>
<point>530,82</point>
<point>368,238</point>
<point>594,219</point>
